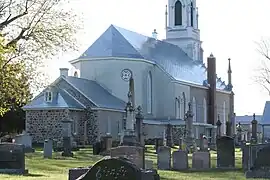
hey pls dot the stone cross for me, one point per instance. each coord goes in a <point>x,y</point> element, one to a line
<point>254,124</point>
<point>218,127</point>
<point>189,138</point>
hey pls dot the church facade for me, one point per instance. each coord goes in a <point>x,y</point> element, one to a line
<point>168,74</point>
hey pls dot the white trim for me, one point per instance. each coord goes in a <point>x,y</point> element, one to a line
<point>107,109</point>
<point>110,58</point>
<point>51,108</point>
<point>74,98</point>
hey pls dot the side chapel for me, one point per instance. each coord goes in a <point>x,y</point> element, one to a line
<point>168,74</point>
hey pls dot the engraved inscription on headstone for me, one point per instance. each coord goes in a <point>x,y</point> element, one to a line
<point>225,152</point>
<point>113,169</point>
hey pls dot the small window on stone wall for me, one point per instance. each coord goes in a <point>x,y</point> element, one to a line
<point>48,96</point>
<point>74,127</point>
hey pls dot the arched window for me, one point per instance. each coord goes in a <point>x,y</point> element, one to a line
<point>194,109</point>
<point>178,13</point>
<point>204,111</point>
<point>149,93</point>
<point>75,74</point>
<point>184,104</point>
<point>177,108</point>
<point>191,14</point>
<point>224,117</point>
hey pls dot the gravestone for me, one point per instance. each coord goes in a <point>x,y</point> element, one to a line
<point>26,140</point>
<point>148,164</point>
<point>118,168</point>
<point>201,160</point>
<point>158,143</point>
<point>48,148</point>
<point>261,166</point>
<point>225,152</point>
<point>164,158</point>
<point>180,160</point>
<point>12,159</point>
<point>133,153</point>
<point>67,134</point>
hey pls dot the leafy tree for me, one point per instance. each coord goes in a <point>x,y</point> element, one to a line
<point>32,31</point>
<point>14,85</point>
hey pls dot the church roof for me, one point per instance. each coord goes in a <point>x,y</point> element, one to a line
<point>122,43</point>
<point>96,93</point>
<point>266,113</point>
<point>61,99</point>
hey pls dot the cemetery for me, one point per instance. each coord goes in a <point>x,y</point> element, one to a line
<point>135,159</point>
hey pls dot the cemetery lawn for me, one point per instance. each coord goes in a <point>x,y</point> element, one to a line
<point>57,167</point>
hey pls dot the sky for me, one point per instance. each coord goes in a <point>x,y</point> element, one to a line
<point>229,29</point>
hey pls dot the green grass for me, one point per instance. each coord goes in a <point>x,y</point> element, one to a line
<point>57,167</point>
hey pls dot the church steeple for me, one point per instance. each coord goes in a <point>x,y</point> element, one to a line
<point>182,28</point>
<point>229,86</point>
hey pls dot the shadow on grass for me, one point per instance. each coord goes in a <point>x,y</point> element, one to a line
<point>33,175</point>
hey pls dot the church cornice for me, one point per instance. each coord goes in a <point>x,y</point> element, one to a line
<point>110,58</point>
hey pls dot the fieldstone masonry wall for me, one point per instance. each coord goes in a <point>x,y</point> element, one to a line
<point>43,124</point>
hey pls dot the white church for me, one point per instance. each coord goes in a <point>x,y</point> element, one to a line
<point>168,74</point>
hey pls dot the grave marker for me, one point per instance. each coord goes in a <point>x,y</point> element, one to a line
<point>12,159</point>
<point>225,152</point>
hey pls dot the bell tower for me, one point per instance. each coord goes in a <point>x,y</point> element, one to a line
<point>182,27</point>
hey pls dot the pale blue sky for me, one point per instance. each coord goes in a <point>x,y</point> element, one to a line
<point>229,28</point>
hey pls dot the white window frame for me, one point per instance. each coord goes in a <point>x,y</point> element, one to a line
<point>48,96</point>
<point>204,111</point>
<point>194,109</point>
<point>149,89</point>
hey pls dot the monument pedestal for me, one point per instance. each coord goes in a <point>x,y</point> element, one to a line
<point>67,147</point>
<point>129,139</point>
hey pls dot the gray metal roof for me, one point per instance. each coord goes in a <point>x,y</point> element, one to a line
<point>266,113</point>
<point>247,119</point>
<point>96,93</point>
<point>119,42</point>
<point>60,100</point>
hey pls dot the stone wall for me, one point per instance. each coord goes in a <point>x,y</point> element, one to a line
<point>43,124</point>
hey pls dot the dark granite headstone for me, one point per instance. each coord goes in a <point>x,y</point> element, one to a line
<point>117,168</point>
<point>225,152</point>
<point>260,164</point>
<point>12,159</point>
<point>67,147</point>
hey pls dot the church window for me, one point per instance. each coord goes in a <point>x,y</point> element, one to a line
<point>194,109</point>
<point>177,108</point>
<point>184,102</point>
<point>48,96</point>
<point>191,14</point>
<point>204,111</point>
<point>149,93</point>
<point>74,127</point>
<point>224,117</point>
<point>75,74</point>
<point>178,13</point>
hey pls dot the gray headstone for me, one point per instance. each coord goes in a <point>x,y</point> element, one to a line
<point>133,153</point>
<point>201,160</point>
<point>67,147</point>
<point>12,158</point>
<point>26,140</point>
<point>164,158</point>
<point>225,152</point>
<point>48,148</point>
<point>180,160</point>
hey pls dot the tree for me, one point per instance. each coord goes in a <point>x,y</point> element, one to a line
<point>263,77</point>
<point>32,31</point>
<point>14,85</point>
